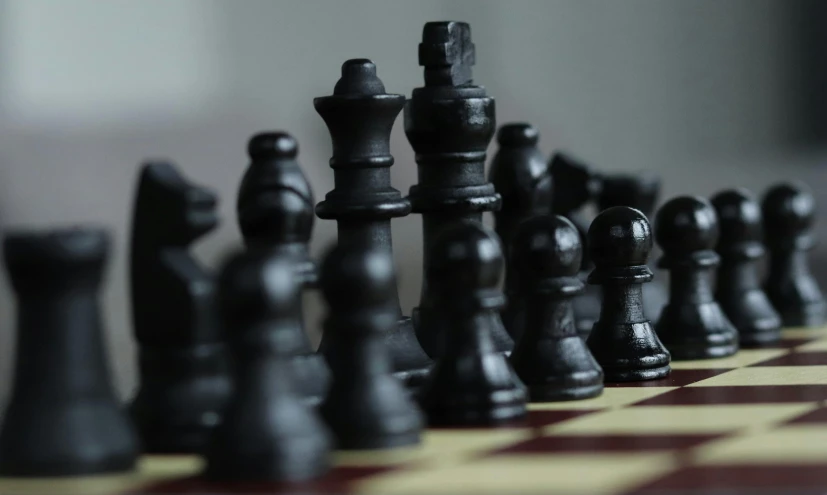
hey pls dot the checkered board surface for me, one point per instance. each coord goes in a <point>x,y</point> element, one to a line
<point>749,424</point>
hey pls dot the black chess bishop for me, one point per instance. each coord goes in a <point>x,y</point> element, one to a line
<point>692,325</point>
<point>788,211</point>
<point>275,212</point>
<point>622,340</point>
<point>360,116</point>
<point>739,290</point>
<point>550,357</point>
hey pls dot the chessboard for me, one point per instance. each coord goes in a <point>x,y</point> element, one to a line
<point>752,423</point>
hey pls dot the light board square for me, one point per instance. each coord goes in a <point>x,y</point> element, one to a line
<point>798,444</point>
<point>744,357</point>
<point>768,376</point>
<point>613,397</point>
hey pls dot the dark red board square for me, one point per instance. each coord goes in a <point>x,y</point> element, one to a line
<point>779,394</point>
<point>676,378</point>
<point>796,359</point>
<point>740,479</point>
<point>561,444</point>
<point>337,481</point>
<point>818,416</point>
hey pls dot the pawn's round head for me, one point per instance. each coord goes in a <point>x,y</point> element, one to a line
<point>788,210</point>
<point>465,258</point>
<point>545,247</point>
<point>254,285</point>
<point>740,221</point>
<point>272,146</point>
<point>359,78</point>
<point>517,135</point>
<point>686,224</point>
<point>355,275</point>
<point>619,236</point>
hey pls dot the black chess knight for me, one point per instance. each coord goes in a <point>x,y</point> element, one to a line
<point>360,116</point>
<point>184,382</point>
<point>449,123</point>
<point>275,212</point>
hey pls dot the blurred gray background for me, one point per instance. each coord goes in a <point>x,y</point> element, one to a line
<point>708,93</point>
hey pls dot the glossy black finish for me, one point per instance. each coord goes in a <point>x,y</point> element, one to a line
<point>520,175</point>
<point>449,123</point>
<point>366,407</point>
<point>550,358</point>
<point>275,212</point>
<point>472,382</point>
<point>360,116</point>
<point>739,290</point>
<point>183,377</point>
<point>63,417</point>
<point>269,432</point>
<point>640,191</point>
<point>692,325</point>
<point>622,340</point>
<point>788,211</point>
<point>575,186</point>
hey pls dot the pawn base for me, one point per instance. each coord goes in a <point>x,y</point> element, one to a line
<point>410,363</point>
<point>806,315</point>
<point>14,466</point>
<point>695,351</point>
<point>364,442</point>
<point>636,375</point>
<point>483,416</point>
<point>554,393</point>
<point>759,338</point>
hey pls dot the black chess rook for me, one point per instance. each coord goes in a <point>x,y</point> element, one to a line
<point>472,382</point>
<point>622,340</point>
<point>550,357</point>
<point>360,116</point>
<point>366,407</point>
<point>275,212</point>
<point>788,211</point>
<point>269,432</point>
<point>692,325</point>
<point>63,417</point>
<point>449,123</point>
<point>739,290</point>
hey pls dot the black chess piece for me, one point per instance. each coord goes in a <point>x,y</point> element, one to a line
<point>184,381</point>
<point>576,185</point>
<point>692,325</point>
<point>449,123</point>
<point>63,417</point>
<point>360,116</point>
<point>275,211</point>
<point>622,340</point>
<point>472,382</point>
<point>520,175</point>
<point>366,407</point>
<point>550,358</point>
<point>269,433</point>
<point>788,211</point>
<point>739,289</point>
<point>639,191</point>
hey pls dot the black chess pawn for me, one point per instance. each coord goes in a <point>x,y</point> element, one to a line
<point>366,407</point>
<point>63,417</point>
<point>449,123</point>
<point>269,433</point>
<point>275,212</point>
<point>692,325</point>
<point>788,213</point>
<point>472,382</point>
<point>520,174</point>
<point>360,116</point>
<point>622,340</point>
<point>639,191</point>
<point>576,185</point>
<point>550,357</point>
<point>184,379</point>
<point>739,289</point>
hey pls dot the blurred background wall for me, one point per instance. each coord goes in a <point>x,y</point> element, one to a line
<point>709,94</point>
